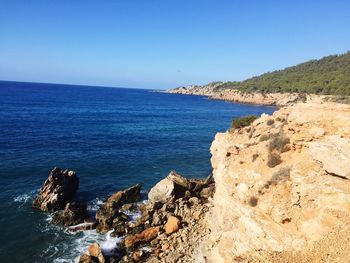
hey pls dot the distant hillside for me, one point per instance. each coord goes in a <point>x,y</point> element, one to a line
<point>329,75</point>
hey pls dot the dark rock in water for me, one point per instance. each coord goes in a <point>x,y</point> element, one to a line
<point>109,216</point>
<point>104,218</point>
<point>73,214</point>
<point>58,190</point>
<point>127,196</point>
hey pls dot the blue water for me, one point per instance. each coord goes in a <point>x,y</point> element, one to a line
<point>112,137</point>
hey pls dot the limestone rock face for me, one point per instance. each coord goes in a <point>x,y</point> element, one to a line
<point>58,190</point>
<point>295,211</point>
<point>334,154</point>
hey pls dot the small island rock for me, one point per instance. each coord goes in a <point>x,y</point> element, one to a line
<point>58,190</point>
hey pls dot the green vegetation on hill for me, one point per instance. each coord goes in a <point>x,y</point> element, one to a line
<point>329,75</point>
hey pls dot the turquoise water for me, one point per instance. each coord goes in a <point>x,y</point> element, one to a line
<point>112,137</point>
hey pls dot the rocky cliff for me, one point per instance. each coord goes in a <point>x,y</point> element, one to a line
<point>282,188</point>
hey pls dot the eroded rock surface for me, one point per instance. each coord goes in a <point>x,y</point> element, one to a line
<point>334,154</point>
<point>58,190</point>
<point>283,212</point>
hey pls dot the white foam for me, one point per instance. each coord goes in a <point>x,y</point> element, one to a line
<point>24,198</point>
<point>82,240</point>
<point>95,204</point>
<point>110,244</point>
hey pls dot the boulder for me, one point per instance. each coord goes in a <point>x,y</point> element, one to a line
<point>127,196</point>
<point>58,190</point>
<point>172,225</point>
<point>145,236</point>
<point>173,186</point>
<point>73,214</point>
<point>96,252</point>
<point>93,255</point>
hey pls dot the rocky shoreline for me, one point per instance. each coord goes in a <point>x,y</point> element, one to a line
<point>170,226</point>
<point>267,99</point>
<point>279,192</point>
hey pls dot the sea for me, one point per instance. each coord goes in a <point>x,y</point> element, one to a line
<point>112,137</point>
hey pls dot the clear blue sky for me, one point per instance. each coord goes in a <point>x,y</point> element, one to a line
<point>163,43</point>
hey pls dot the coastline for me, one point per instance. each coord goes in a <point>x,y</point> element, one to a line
<point>297,150</point>
<point>279,192</point>
<point>255,98</point>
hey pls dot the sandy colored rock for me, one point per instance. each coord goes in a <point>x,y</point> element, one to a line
<point>96,252</point>
<point>172,225</point>
<point>297,211</point>
<point>334,154</point>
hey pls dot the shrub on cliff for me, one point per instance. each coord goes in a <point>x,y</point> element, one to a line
<point>279,143</point>
<point>273,159</point>
<point>243,121</point>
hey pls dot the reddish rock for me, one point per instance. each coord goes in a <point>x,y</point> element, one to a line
<point>145,236</point>
<point>172,225</point>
